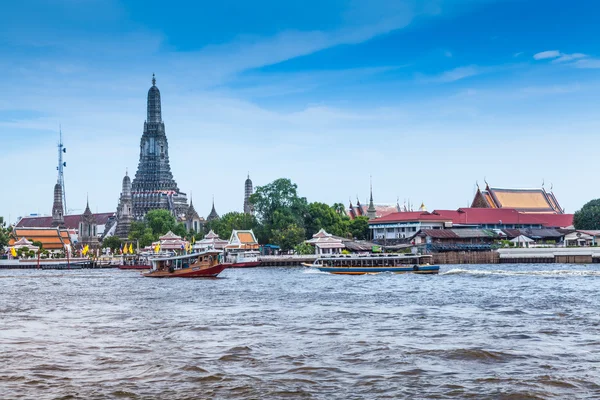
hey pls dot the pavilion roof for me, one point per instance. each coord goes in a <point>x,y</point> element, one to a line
<point>71,221</point>
<point>51,238</point>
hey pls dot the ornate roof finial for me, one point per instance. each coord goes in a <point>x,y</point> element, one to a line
<point>126,171</point>
<point>543,181</point>
<point>153,80</point>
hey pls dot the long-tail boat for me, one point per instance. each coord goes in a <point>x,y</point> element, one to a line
<point>374,264</point>
<point>207,264</point>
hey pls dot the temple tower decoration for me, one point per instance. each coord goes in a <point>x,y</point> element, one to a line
<point>371,211</point>
<point>88,228</point>
<point>58,214</point>
<point>213,213</point>
<point>124,210</point>
<point>248,208</point>
<point>193,222</point>
<point>153,186</point>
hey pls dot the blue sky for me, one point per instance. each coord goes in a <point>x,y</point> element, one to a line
<point>429,97</point>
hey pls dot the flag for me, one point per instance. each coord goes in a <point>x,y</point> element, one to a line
<point>124,249</point>
<point>157,248</point>
<point>86,248</point>
<point>130,248</point>
<point>193,239</point>
<point>13,252</point>
<point>121,248</point>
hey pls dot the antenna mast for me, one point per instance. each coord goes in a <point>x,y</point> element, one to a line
<point>61,165</point>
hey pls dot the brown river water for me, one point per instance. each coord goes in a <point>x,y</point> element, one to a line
<point>478,331</point>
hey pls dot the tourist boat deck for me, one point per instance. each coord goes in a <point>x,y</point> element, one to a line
<point>243,259</point>
<point>196,265</point>
<point>375,263</point>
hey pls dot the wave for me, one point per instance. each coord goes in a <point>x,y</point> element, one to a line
<point>551,273</point>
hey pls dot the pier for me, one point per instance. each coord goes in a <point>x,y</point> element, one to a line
<point>286,260</point>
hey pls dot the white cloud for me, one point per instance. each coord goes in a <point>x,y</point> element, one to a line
<point>569,57</point>
<point>455,74</point>
<point>546,54</point>
<point>588,63</point>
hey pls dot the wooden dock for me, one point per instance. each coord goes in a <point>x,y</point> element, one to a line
<point>286,260</point>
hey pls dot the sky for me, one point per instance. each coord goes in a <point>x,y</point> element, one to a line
<point>427,97</point>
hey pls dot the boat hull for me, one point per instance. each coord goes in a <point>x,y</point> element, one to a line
<point>135,267</point>
<point>249,264</point>
<point>424,269</point>
<point>192,272</point>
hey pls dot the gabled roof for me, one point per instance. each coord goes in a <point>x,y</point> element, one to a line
<point>51,238</point>
<point>71,221</point>
<point>242,239</point>
<point>411,216</point>
<point>524,200</point>
<point>505,216</point>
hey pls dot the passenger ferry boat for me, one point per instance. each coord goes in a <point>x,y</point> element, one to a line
<point>375,263</point>
<point>135,261</point>
<point>243,259</point>
<point>196,265</point>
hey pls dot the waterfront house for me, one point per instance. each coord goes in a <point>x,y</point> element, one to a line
<point>242,240</point>
<point>326,243</point>
<point>399,226</point>
<point>582,238</point>
<point>210,241</point>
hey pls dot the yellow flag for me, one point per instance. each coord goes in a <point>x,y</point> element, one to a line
<point>193,239</point>
<point>130,248</point>
<point>86,248</point>
<point>157,248</point>
<point>13,252</point>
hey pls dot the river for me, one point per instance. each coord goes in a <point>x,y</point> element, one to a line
<point>477,331</point>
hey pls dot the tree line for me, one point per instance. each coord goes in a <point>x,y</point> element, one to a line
<point>281,218</point>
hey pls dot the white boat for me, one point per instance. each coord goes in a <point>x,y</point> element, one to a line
<point>374,264</point>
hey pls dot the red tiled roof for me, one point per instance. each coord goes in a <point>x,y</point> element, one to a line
<point>71,221</point>
<point>479,216</point>
<point>438,233</point>
<point>411,216</point>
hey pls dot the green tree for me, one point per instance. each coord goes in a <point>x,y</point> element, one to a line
<point>230,221</point>
<point>588,217</point>
<point>112,242</point>
<point>340,209</point>
<point>280,212</point>
<point>290,236</point>
<point>4,234</point>
<point>304,249</point>
<point>161,222</point>
<point>321,216</point>
<point>141,233</point>
<point>38,244</point>
<point>359,228</point>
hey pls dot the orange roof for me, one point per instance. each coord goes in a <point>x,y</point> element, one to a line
<point>523,200</point>
<point>246,237</point>
<point>51,238</point>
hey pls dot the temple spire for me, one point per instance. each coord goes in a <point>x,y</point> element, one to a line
<point>371,211</point>
<point>154,106</point>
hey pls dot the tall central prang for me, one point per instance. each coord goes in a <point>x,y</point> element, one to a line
<point>153,186</point>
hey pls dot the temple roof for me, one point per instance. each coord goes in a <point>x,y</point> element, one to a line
<point>71,221</point>
<point>523,200</point>
<point>51,238</point>
<point>213,213</point>
<point>242,239</point>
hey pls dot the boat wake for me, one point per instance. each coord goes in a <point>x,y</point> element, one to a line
<point>549,273</point>
<point>313,271</point>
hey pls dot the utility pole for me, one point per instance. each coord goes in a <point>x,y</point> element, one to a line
<point>61,165</point>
